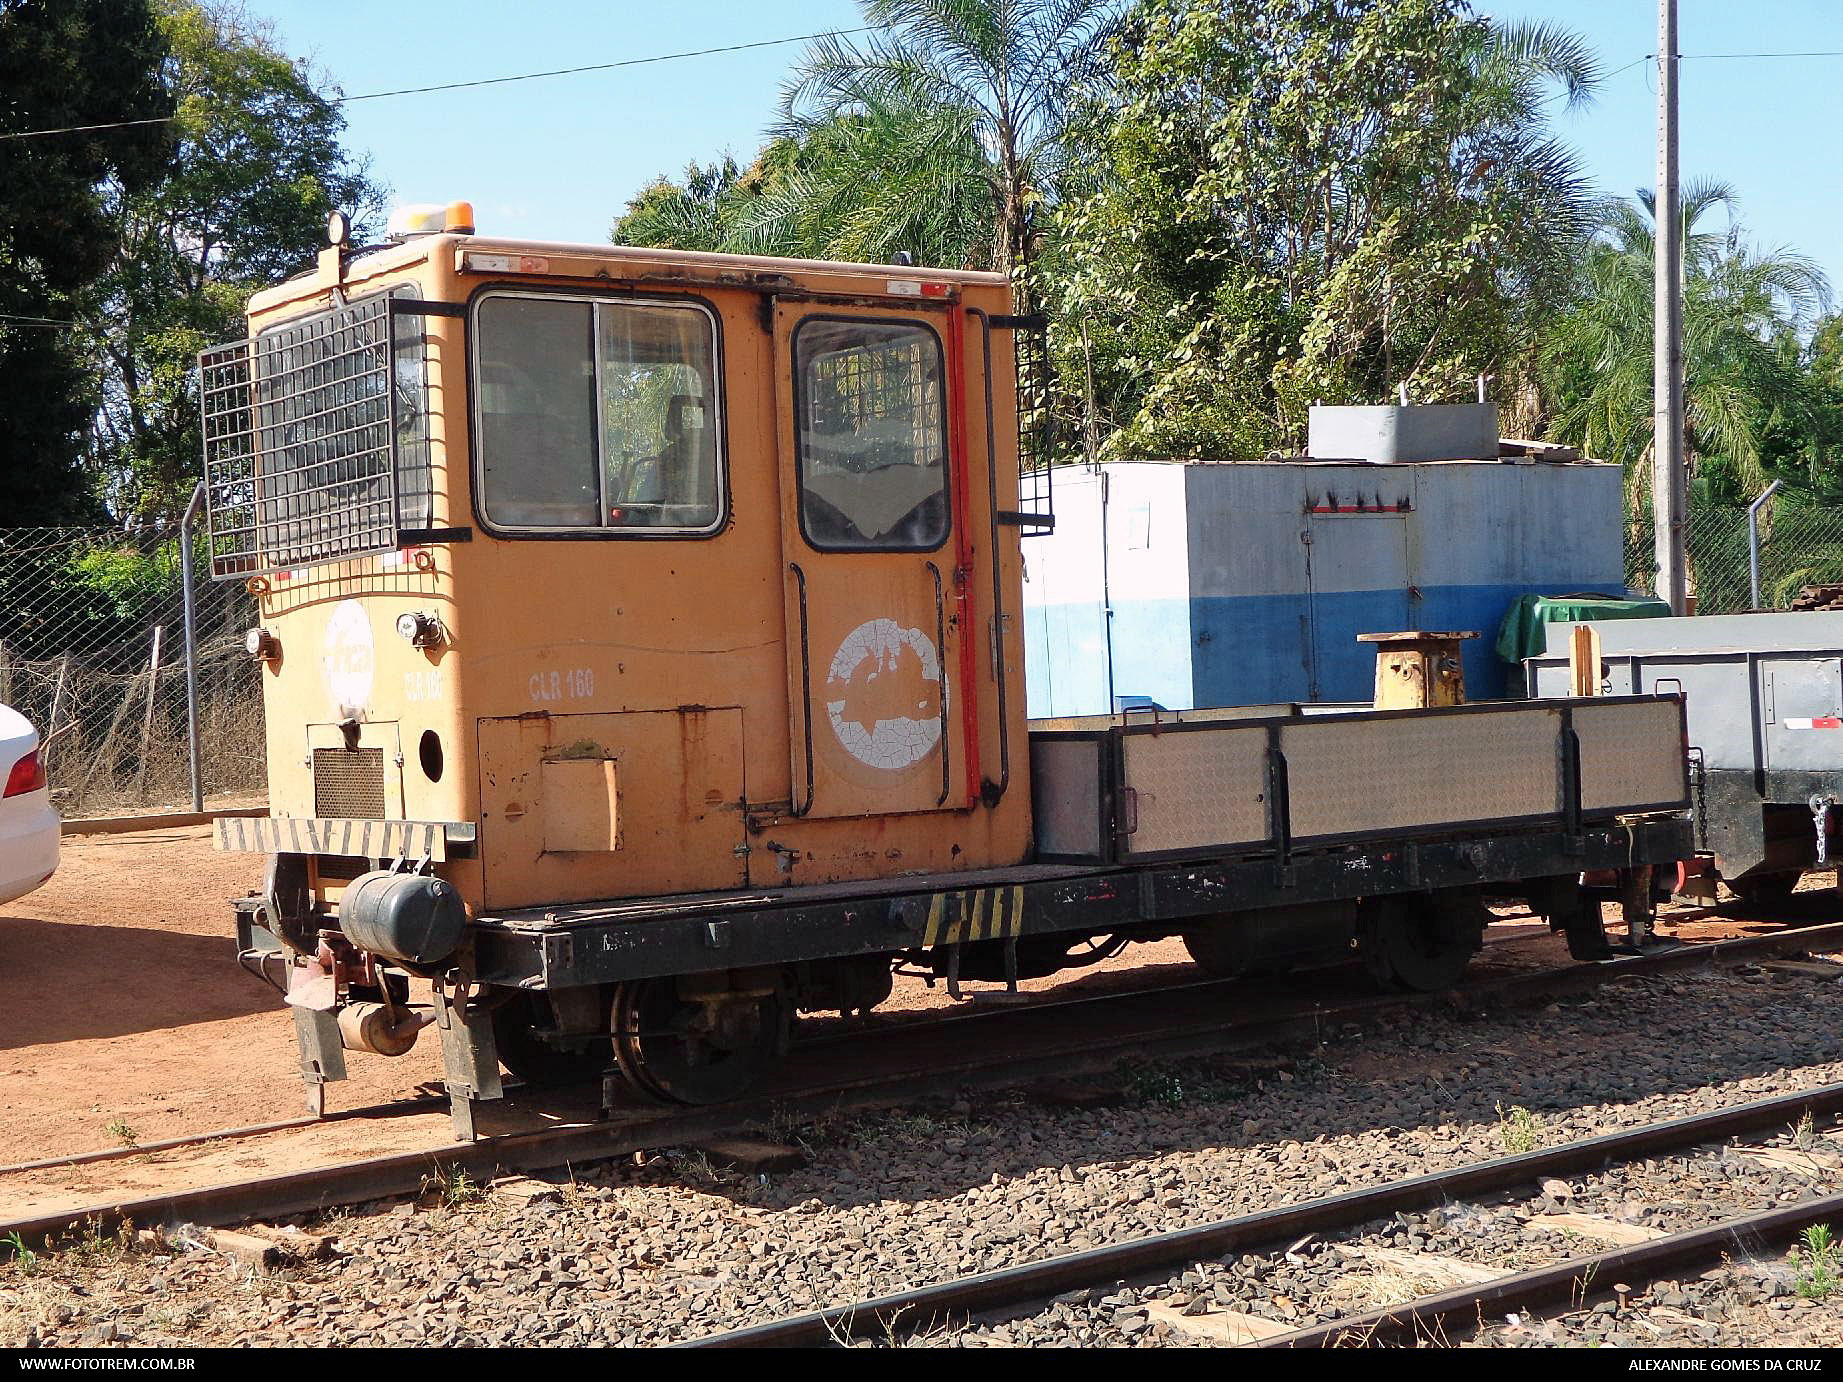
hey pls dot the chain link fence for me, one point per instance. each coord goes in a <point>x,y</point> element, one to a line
<point>92,651</point>
<point>1801,544</point>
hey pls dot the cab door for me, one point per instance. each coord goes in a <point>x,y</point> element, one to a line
<point>874,610</point>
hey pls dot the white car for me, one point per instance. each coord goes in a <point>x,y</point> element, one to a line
<point>28,825</point>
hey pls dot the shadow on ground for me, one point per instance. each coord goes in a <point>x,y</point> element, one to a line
<point>66,981</point>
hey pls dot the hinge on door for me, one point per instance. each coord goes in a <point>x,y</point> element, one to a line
<point>999,624</point>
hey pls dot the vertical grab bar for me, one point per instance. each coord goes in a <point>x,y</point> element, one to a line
<point>998,581</point>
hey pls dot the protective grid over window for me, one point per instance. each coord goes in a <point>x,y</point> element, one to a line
<point>300,461</point>
<point>872,435</point>
<point>597,415</point>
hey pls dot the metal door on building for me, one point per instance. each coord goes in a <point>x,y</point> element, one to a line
<point>1357,576</point>
<point>868,484</point>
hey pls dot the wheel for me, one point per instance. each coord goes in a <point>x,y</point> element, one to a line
<point>1420,943</point>
<point>1219,947</point>
<point>1765,889</point>
<point>690,1052</point>
<point>516,1024</point>
<point>1569,910</point>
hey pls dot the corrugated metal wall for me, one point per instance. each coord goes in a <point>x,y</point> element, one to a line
<point>1246,584</point>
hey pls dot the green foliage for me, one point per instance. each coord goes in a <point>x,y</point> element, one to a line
<point>692,215</point>
<point>256,168</point>
<point>941,135</point>
<point>24,1260</point>
<point>1518,1129</point>
<point>102,597</point>
<point>456,1188</point>
<point>1815,1259</point>
<point>80,62</point>
<point>1749,395</point>
<point>1302,200</point>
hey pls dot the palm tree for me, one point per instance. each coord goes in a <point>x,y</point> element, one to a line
<point>955,108</point>
<point>865,185</point>
<point>1739,306</point>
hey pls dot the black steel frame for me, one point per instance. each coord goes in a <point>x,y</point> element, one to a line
<point>569,947</point>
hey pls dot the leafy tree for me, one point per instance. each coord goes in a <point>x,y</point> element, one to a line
<point>63,63</point>
<point>1294,200</point>
<point>943,132</point>
<point>1748,393</point>
<point>257,167</point>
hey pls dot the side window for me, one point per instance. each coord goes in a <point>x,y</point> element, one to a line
<point>658,416</point>
<point>872,435</point>
<point>535,399</point>
<point>597,415</point>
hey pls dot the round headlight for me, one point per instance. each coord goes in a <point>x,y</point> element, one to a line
<point>409,626</point>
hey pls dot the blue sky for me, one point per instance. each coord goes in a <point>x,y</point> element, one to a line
<point>556,159</point>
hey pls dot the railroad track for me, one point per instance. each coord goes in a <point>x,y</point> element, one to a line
<point>837,1035</point>
<point>1002,1047</point>
<point>1022,1290</point>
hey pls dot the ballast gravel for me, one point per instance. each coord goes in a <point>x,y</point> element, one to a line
<point>665,1247</point>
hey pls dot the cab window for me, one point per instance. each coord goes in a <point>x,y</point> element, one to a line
<point>872,435</point>
<point>597,415</point>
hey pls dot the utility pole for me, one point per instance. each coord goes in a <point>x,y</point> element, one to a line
<point>1669,489</point>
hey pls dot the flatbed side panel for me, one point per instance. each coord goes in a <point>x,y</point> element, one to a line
<point>1194,791</point>
<point>1631,755</point>
<point>1142,792</point>
<point>602,951</point>
<point>1350,777</point>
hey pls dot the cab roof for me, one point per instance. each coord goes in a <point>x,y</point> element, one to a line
<point>548,259</point>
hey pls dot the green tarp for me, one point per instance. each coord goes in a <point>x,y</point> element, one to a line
<point>1524,631</point>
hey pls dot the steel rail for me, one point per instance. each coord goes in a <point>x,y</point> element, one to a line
<point>420,1103</point>
<point>994,1063</point>
<point>1578,1279</point>
<point>1265,1230</point>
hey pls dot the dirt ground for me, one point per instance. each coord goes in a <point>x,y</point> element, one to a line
<point>121,1003</point>
<point>123,1015</point>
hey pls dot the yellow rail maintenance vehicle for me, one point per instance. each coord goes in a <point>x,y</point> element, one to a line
<point>643,667</point>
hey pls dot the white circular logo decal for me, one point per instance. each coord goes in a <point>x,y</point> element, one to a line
<point>884,695</point>
<point>346,659</point>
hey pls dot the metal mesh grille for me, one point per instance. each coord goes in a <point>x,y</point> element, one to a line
<point>873,435</point>
<point>349,783</point>
<point>298,430</point>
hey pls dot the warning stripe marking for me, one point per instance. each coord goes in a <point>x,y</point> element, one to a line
<point>976,914</point>
<point>354,838</point>
<point>1817,722</point>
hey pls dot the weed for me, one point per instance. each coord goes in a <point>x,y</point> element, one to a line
<point>1815,1258</point>
<point>692,1165</point>
<point>122,1133</point>
<point>24,1260</point>
<point>456,1188</point>
<point>1804,1133</point>
<point>829,1128</point>
<point>1519,1129</point>
<point>1156,1085</point>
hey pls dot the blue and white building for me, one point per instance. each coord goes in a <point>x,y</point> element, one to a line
<point>1195,584</point>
